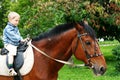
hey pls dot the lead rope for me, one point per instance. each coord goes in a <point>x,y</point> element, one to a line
<point>60,61</point>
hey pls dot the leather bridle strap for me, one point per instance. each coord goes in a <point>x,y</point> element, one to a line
<point>79,38</point>
<point>86,53</point>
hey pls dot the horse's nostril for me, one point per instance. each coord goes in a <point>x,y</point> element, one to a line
<point>102,70</point>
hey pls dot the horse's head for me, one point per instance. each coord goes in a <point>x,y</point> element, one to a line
<point>86,48</point>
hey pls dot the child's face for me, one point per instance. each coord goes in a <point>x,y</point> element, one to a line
<point>15,20</point>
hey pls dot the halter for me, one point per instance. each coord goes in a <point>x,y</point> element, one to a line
<point>88,56</point>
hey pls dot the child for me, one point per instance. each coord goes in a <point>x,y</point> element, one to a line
<point>11,39</point>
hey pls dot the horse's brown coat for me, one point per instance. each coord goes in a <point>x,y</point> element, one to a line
<point>62,46</point>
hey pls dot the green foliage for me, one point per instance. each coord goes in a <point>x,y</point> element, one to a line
<point>4,8</point>
<point>116,53</point>
<point>37,16</point>
<point>1,43</point>
<point>117,67</point>
<point>105,18</point>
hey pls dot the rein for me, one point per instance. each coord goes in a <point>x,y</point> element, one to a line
<point>88,56</point>
<point>60,61</point>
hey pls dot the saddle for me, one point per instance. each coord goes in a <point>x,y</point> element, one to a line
<point>19,58</point>
<point>23,62</point>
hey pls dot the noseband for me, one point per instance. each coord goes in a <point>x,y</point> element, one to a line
<point>88,56</point>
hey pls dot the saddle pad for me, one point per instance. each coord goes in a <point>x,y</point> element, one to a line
<point>25,69</point>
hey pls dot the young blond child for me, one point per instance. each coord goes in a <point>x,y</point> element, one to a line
<point>11,39</point>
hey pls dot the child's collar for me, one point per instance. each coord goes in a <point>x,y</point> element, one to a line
<point>11,24</point>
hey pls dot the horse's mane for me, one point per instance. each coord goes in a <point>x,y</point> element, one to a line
<point>62,28</point>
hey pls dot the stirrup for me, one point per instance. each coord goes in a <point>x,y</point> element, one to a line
<point>12,72</point>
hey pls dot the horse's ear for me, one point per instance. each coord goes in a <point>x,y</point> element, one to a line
<point>78,27</point>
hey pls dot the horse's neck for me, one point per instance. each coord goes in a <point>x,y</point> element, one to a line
<point>59,46</point>
<point>62,43</point>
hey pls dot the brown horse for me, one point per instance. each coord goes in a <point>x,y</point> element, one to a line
<point>60,43</point>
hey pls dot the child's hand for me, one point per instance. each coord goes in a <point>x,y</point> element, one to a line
<point>25,40</point>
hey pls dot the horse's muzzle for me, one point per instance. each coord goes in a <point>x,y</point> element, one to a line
<point>99,70</point>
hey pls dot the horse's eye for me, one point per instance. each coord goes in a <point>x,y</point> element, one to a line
<point>87,43</point>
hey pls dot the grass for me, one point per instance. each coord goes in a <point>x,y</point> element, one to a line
<point>83,73</point>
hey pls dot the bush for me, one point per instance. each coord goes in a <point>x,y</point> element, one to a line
<point>39,16</point>
<point>1,44</point>
<point>116,53</point>
<point>117,67</point>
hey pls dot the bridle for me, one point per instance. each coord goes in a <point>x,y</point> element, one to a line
<point>88,56</point>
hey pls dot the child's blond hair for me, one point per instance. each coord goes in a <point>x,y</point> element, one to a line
<point>12,15</point>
